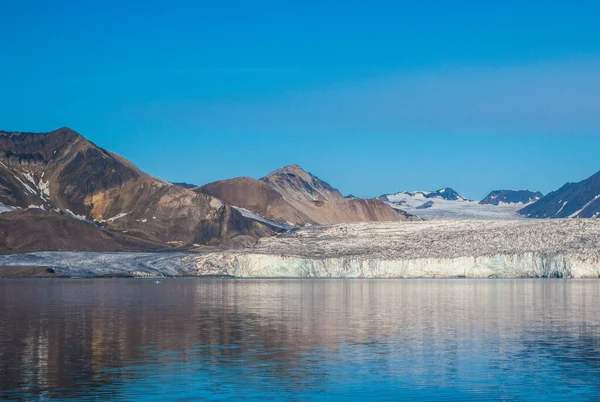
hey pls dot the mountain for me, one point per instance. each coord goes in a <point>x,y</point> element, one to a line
<point>256,196</point>
<point>186,185</point>
<point>293,182</point>
<point>573,200</point>
<point>408,198</point>
<point>29,230</point>
<point>503,197</point>
<point>445,194</point>
<point>62,172</point>
<point>446,203</point>
<point>293,196</point>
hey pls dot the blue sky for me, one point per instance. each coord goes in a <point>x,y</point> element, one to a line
<point>374,97</point>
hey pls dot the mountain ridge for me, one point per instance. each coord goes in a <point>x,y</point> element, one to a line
<point>497,197</point>
<point>61,171</point>
<point>572,200</point>
<point>294,196</point>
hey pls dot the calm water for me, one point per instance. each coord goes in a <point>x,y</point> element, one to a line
<point>181,339</point>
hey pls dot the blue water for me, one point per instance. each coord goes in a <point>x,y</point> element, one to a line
<point>186,339</point>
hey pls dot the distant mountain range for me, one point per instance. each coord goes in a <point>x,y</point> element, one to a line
<point>404,197</point>
<point>59,191</point>
<point>447,203</point>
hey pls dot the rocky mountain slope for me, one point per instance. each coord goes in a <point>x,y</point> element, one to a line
<point>573,200</point>
<point>293,196</point>
<point>62,172</point>
<point>504,197</point>
<point>28,230</point>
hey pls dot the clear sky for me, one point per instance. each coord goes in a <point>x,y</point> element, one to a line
<point>372,96</point>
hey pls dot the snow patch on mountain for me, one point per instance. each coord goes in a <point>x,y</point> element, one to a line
<point>251,215</point>
<point>26,186</point>
<point>6,208</point>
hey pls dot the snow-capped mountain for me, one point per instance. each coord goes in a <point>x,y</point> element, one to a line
<point>446,203</point>
<point>573,200</point>
<point>417,198</point>
<point>505,197</point>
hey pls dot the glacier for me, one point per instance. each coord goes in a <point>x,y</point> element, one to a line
<point>557,248</point>
<point>567,248</point>
<point>460,208</point>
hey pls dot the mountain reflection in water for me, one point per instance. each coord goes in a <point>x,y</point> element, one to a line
<point>261,339</point>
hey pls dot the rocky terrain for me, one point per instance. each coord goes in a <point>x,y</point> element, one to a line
<point>508,197</point>
<point>573,200</point>
<point>26,230</point>
<point>292,196</point>
<point>25,271</point>
<point>61,172</point>
<point>567,248</point>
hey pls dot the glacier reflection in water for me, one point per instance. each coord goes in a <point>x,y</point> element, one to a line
<point>312,339</point>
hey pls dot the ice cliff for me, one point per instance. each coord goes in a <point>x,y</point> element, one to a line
<point>441,249</point>
<point>563,248</point>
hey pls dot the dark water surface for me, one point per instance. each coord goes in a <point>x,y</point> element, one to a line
<point>186,339</point>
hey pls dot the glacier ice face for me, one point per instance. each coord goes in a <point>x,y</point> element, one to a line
<point>440,249</point>
<point>528,265</point>
<point>567,248</point>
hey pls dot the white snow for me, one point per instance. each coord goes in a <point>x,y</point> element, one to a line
<point>575,214</point>
<point>44,187</point>
<point>74,215</point>
<point>41,188</point>
<point>251,215</point>
<point>561,208</point>
<point>508,204</point>
<point>30,178</point>
<point>6,208</point>
<point>452,209</point>
<point>27,187</point>
<point>114,218</point>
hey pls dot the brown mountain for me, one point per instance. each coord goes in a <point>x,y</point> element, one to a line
<point>61,171</point>
<point>28,230</point>
<point>292,195</point>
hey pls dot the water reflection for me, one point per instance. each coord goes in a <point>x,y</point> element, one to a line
<point>283,338</point>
